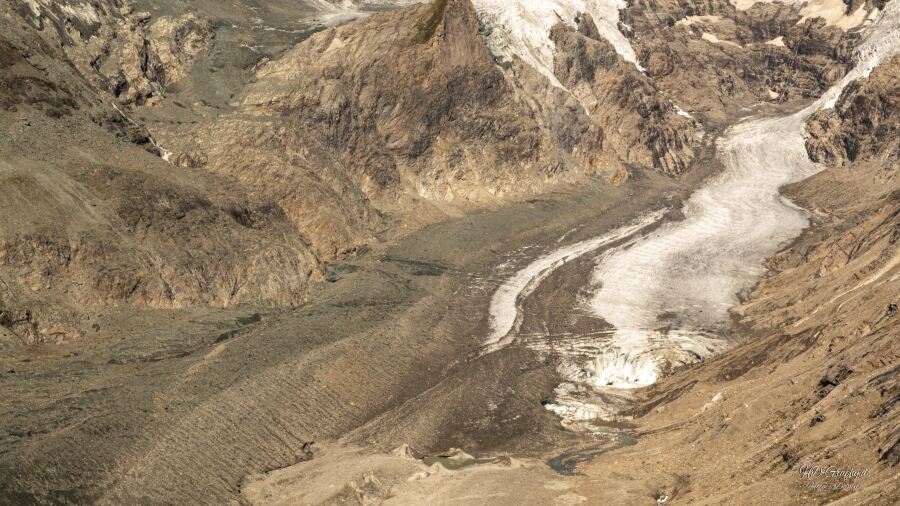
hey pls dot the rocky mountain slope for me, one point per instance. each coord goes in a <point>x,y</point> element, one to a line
<point>94,217</point>
<point>368,130</point>
<point>715,56</point>
<point>410,104</point>
<point>863,125</point>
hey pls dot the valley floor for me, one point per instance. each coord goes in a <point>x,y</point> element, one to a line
<point>191,402</point>
<point>379,390</point>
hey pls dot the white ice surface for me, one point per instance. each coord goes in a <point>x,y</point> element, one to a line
<point>682,112</point>
<point>686,275</point>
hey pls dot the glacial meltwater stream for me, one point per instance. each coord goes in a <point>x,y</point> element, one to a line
<point>667,292</point>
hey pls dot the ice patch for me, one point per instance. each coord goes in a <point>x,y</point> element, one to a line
<point>330,13</point>
<point>711,37</point>
<point>834,12</point>
<point>521,28</point>
<point>690,20</point>
<point>743,5</point>
<point>671,290</point>
<point>682,112</point>
<point>634,359</point>
<point>84,12</point>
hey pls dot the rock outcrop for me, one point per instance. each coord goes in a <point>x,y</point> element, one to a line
<point>864,123</point>
<point>714,58</point>
<point>128,54</point>
<point>144,57</point>
<point>641,124</point>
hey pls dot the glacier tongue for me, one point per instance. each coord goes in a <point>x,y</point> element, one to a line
<point>685,275</point>
<point>521,28</point>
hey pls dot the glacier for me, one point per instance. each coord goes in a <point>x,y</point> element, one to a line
<point>667,292</point>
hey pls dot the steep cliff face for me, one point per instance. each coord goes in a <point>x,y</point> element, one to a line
<point>407,98</point>
<point>641,124</point>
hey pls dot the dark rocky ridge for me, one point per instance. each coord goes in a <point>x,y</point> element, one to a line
<point>648,131</point>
